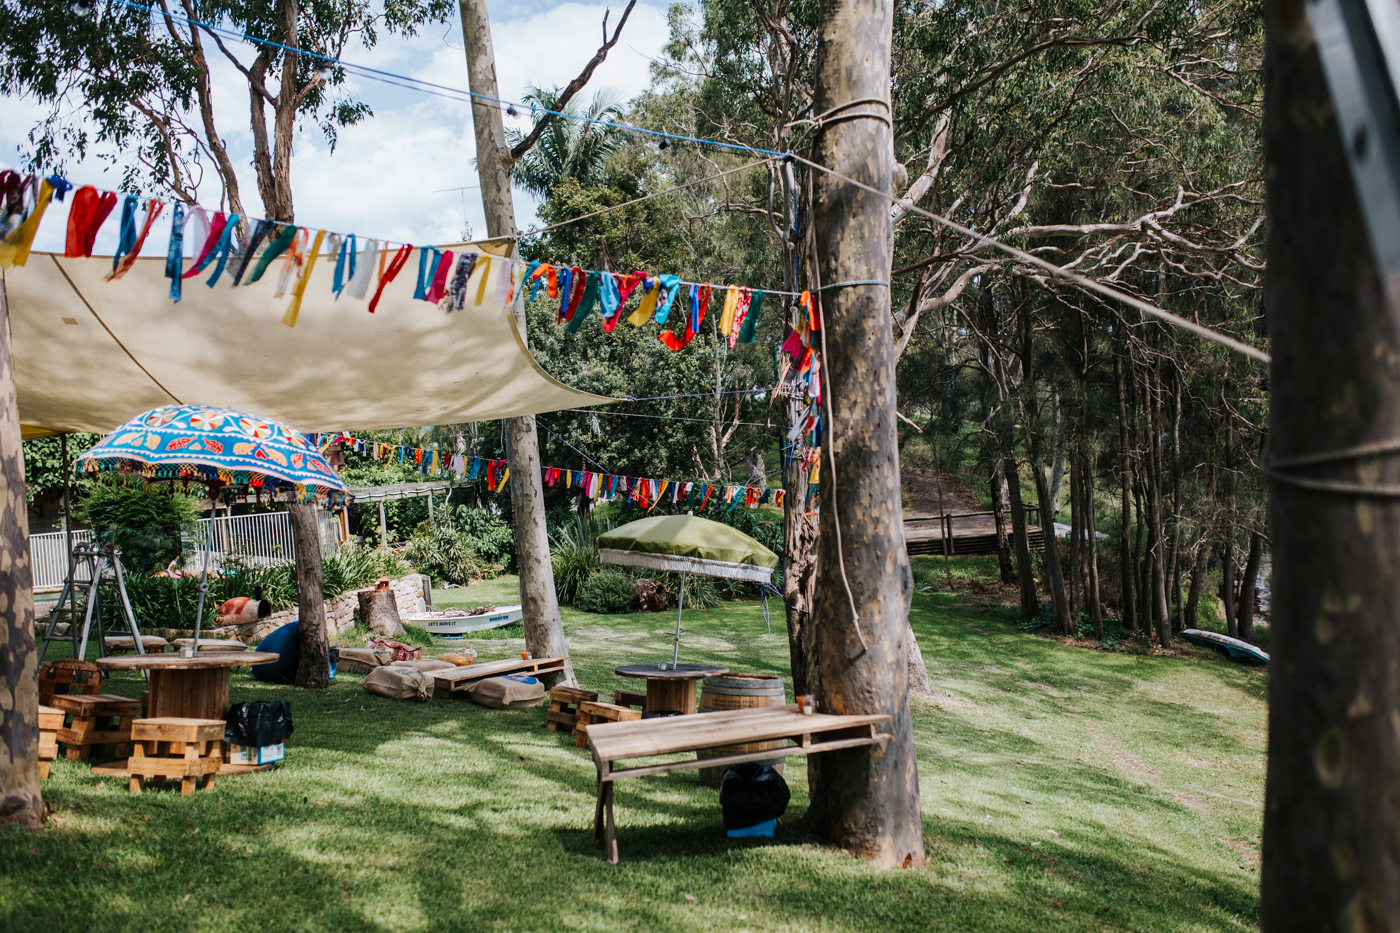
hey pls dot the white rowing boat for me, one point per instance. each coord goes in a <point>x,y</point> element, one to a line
<point>453,623</point>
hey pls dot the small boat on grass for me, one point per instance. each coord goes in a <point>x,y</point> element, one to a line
<point>454,623</point>
<point>1234,647</point>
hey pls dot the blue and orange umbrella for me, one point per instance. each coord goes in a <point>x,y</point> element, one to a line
<point>219,447</point>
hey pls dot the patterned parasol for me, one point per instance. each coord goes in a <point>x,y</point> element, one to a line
<point>218,446</point>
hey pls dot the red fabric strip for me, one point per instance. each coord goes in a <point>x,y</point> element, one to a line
<point>400,258</point>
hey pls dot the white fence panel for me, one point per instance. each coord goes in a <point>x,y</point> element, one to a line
<point>47,559</point>
<point>264,538</point>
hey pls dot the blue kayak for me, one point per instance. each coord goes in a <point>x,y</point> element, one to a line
<point>1234,647</point>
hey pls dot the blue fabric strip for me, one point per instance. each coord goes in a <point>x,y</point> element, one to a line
<point>175,252</point>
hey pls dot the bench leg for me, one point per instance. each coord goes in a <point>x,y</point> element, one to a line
<point>138,783</point>
<point>610,839</point>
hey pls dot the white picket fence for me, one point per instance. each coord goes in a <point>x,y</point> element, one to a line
<point>264,538</point>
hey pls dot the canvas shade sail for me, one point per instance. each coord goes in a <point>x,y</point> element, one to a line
<point>207,444</point>
<point>90,354</point>
<point>687,544</point>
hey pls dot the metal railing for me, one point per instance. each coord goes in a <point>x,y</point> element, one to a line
<point>263,538</point>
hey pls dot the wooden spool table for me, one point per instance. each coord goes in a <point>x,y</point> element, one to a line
<point>670,688</point>
<point>187,688</point>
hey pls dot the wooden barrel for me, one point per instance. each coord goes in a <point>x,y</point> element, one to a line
<point>738,691</point>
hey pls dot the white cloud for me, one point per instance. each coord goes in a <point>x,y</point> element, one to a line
<point>385,176</point>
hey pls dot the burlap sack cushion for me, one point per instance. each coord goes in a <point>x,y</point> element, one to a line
<point>363,660</point>
<point>399,683</point>
<point>514,692</point>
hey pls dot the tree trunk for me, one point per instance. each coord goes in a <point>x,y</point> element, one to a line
<point>1158,535</point>
<point>544,630</point>
<point>314,661</point>
<point>1076,541</point>
<point>1030,605</point>
<point>20,800</point>
<point>1227,583</point>
<point>379,611</point>
<point>1330,815</point>
<point>1125,550</point>
<point>864,800</point>
<point>1000,506</point>
<point>1244,605</point>
<point>1054,573</point>
<point>1140,564</point>
<point>1198,577</point>
<point>799,578</point>
<point>1095,596</point>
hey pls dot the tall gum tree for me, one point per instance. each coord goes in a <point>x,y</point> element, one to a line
<point>865,800</point>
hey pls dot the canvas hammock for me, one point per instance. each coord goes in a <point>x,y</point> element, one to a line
<point>89,354</point>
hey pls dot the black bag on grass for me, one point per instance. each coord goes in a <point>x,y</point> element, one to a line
<point>258,723</point>
<point>751,793</point>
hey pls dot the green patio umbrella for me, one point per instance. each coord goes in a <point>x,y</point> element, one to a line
<point>685,544</point>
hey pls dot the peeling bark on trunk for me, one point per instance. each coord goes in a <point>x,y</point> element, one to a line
<point>544,630</point>
<point>314,662</point>
<point>20,800</point>
<point>799,578</point>
<point>1025,573</point>
<point>1331,819</point>
<point>1227,583</point>
<point>864,800</point>
<point>1000,506</point>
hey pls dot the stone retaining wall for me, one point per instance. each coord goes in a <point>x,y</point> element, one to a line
<point>412,593</point>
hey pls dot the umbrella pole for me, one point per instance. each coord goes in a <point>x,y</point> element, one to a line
<point>680,607</point>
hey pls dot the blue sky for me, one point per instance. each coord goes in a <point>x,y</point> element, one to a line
<point>385,177</point>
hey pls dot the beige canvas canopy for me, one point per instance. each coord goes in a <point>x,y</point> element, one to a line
<point>90,354</point>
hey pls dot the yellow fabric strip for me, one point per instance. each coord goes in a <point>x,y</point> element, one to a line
<point>485,266</point>
<point>648,306</point>
<point>731,304</point>
<point>15,250</point>
<point>293,309</point>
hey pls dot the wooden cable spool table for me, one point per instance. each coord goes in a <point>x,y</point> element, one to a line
<point>670,687</point>
<point>188,688</point>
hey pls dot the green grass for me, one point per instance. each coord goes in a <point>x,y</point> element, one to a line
<point>1062,789</point>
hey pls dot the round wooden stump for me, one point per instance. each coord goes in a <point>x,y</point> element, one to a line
<point>379,610</point>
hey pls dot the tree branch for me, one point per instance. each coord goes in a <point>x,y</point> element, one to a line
<point>575,85</point>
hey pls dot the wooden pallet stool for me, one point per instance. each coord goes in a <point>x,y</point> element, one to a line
<point>188,749</point>
<point>50,721</point>
<point>629,698</point>
<point>590,712</point>
<point>94,722</point>
<point>61,678</point>
<point>563,707</point>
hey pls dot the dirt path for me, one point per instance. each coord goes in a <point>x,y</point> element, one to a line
<point>921,494</point>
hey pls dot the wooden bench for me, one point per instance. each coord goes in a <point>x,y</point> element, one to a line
<point>811,733</point>
<point>193,751</point>
<point>457,679</point>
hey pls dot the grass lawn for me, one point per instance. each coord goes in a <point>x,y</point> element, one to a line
<point>1063,789</point>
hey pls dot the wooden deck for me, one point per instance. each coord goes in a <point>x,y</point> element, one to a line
<point>974,533</point>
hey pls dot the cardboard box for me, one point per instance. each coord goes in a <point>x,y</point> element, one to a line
<point>247,755</point>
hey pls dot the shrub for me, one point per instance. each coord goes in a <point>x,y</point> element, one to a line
<point>607,591</point>
<point>491,538</point>
<point>572,568</point>
<point>150,522</point>
<point>445,552</point>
